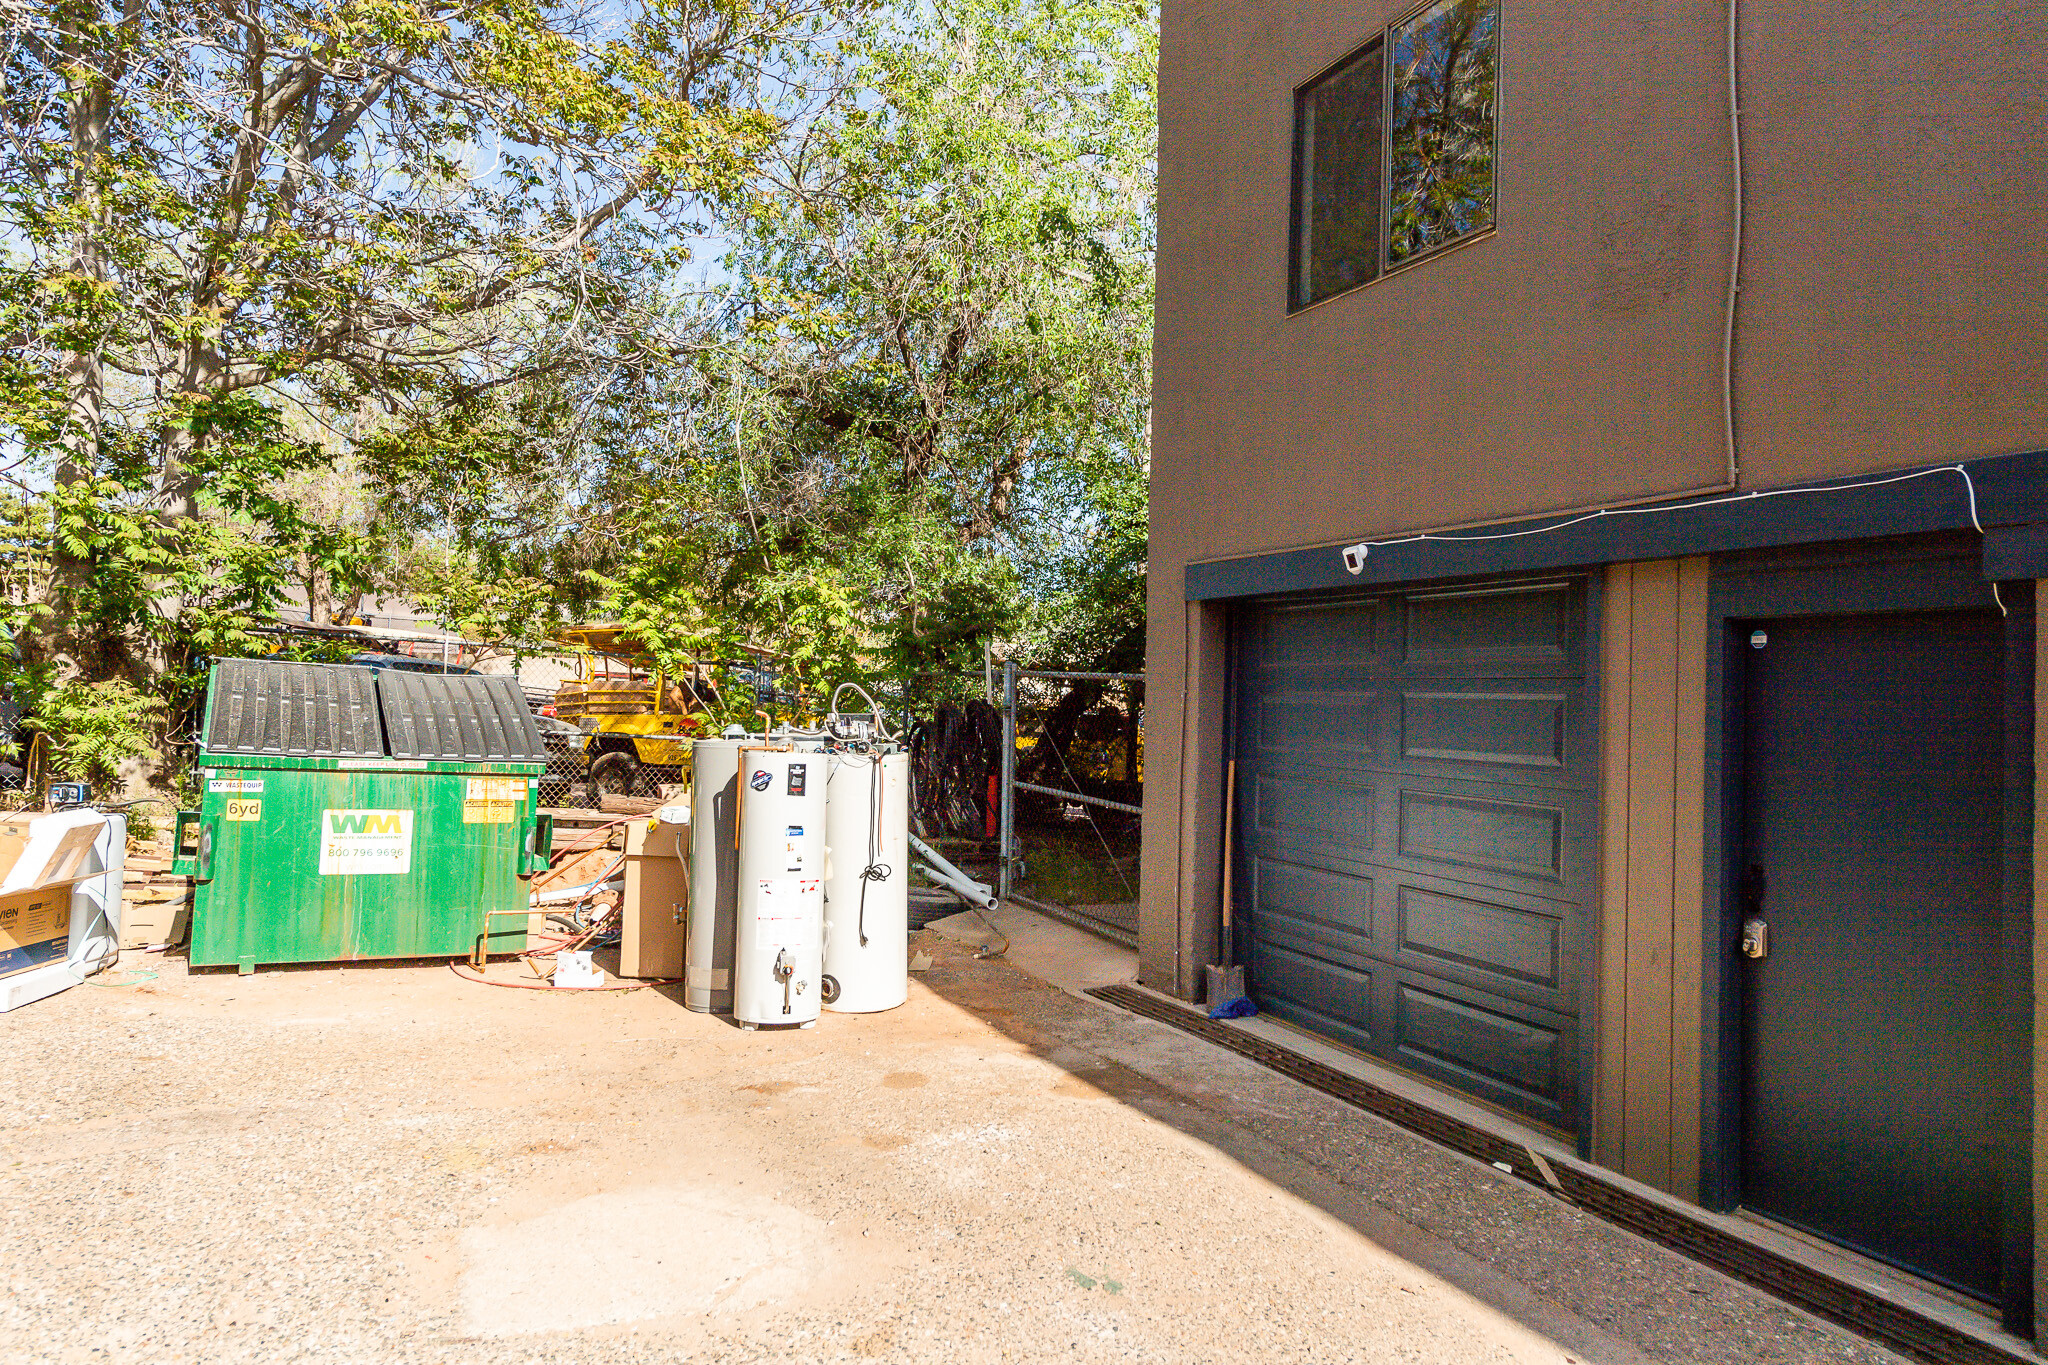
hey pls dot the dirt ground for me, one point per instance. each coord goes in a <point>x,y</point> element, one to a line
<point>390,1164</point>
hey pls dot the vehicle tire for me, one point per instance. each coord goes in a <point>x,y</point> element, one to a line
<point>614,774</point>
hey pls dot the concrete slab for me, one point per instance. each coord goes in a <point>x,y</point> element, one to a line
<point>629,1255</point>
<point>385,1163</point>
<point>1070,958</point>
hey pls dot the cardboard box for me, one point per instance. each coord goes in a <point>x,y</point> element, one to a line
<point>14,834</point>
<point>35,906</point>
<point>150,920</point>
<point>652,930</point>
<point>35,927</point>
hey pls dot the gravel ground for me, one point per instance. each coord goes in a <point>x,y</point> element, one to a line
<point>389,1164</point>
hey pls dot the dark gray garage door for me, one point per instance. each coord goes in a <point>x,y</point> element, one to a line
<point>1416,780</point>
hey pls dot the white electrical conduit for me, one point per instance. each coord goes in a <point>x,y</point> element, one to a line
<point>978,895</point>
<point>1736,197</point>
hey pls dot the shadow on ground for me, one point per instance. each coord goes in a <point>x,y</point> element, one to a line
<point>1602,1293</point>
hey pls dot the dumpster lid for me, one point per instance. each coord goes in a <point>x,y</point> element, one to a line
<point>466,717</point>
<point>275,706</point>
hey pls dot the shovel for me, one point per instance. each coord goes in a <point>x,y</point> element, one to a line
<point>1226,982</point>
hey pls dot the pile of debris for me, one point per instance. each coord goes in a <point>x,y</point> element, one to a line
<point>156,906</point>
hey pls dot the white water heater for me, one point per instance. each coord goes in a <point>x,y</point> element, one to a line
<point>714,873</point>
<point>867,928</point>
<point>777,956</point>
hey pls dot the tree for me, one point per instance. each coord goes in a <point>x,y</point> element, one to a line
<point>227,213</point>
<point>244,239</point>
<point>940,311</point>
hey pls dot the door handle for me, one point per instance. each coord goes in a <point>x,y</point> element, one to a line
<point>1756,938</point>
<point>1756,932</point>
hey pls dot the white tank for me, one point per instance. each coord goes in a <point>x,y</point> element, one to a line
<point>776,960</point>
<point>714,874</point>
<point>867,928</point>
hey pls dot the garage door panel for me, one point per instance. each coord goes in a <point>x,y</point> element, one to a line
<point>1321,820</point>
<point>1493,631</point>
<point>1328,997</point>
<point>1520,730</point>
<point>1331,728</point>
<point>1518,948</point>
<point>1488,1045</point>
<point>1320,634</point>
<point>1490,834</point>
<point>1524,839</point>
<point>1314,910</point>
<point>1417,823</point>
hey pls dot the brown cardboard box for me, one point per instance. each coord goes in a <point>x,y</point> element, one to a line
<point>35,920</point>
<point>14,834</point>
<point>35,927</point>
<point>156,916</point>
<point>652,934</point>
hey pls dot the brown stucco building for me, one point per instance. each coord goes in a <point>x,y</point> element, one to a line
<point>1513,800</point>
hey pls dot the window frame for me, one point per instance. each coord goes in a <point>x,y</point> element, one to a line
<point>1383,36</point>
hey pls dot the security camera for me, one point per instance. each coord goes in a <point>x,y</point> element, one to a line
<point>1354,557</point>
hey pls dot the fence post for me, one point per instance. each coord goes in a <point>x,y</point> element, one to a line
<point>1007,837</point>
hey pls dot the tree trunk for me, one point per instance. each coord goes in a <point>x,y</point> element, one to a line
<point>319,600</point>
<point>73,644</point>
<point>177,483</point>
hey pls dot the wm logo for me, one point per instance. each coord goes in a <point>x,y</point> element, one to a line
<point>364,822</point>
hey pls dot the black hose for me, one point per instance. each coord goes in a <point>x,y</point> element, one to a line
<point>874,871</point>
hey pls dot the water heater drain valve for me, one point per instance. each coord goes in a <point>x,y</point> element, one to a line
<point>785,968</point>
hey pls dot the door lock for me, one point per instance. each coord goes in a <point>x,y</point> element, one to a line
<point>1756,934</point>
<point>1756,938</point>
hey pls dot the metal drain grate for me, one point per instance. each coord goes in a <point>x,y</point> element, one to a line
<point>1858,1309</point>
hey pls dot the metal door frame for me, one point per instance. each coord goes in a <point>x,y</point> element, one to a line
<point>1919,573</point>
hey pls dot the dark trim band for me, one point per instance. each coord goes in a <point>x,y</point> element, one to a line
<point>2011,496</point>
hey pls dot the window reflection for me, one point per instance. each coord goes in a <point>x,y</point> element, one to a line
<point>1338,138</point>
<point>1441,185</point>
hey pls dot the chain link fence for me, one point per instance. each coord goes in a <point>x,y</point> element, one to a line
<point>1057,829</point>
<point>1071,827</point>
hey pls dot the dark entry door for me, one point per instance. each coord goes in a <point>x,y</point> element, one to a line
<point>1874,1078</point>
<point>1416,778</point>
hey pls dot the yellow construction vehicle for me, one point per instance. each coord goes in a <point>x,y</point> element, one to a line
<point>641,722</point>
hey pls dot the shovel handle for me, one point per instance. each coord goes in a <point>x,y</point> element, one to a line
<point>1229,833</point>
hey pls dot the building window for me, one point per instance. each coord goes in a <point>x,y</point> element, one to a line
<point>1339,123</point>
<point>1394,149</point>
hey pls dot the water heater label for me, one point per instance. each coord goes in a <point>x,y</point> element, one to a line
<point>796,779</point>
<point>760,780</point>
<point>781,916</point>
<point>356,842</point>
<point>796,831</point>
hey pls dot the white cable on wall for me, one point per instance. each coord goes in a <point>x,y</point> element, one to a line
<point>1736,198</point>
<point>1356,555</point>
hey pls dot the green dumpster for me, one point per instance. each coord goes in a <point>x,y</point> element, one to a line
<point>352,814</point>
